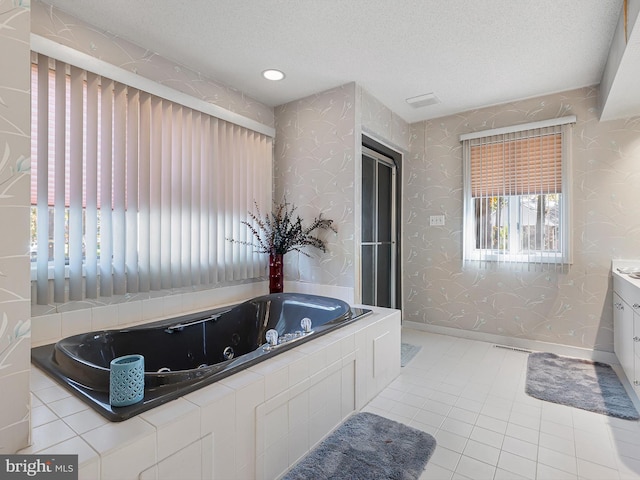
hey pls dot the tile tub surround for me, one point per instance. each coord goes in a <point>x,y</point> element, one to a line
<point>183,345</point>
<point>52,323</point>
<point>254,424</point>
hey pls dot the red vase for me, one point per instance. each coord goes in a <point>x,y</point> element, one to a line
<point>276,273</point>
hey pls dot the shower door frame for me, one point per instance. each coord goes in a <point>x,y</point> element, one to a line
<point>387,161</point>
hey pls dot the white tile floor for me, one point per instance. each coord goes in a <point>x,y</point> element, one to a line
<point>470,396</point>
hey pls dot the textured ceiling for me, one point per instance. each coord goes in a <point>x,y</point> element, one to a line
<point>469,53</point>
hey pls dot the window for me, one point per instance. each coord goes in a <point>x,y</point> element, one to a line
<point>132,192</point>
<point>517,194</point>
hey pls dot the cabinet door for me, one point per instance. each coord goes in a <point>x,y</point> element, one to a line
<point>635,382</point>
<point>623,331</point>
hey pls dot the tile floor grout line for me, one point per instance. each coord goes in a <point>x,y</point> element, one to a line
<point>503,391</point>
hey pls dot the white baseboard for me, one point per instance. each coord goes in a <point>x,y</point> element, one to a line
<point>534,345</point>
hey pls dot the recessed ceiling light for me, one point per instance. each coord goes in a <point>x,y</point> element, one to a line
<point>273,74</point>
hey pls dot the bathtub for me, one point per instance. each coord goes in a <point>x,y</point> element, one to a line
<point>185,353</point>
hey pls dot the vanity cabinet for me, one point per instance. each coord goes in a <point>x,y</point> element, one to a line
<point>626,326</point>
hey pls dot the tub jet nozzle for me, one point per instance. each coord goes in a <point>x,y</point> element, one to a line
<point>272,337</point>
<point>305,323</point>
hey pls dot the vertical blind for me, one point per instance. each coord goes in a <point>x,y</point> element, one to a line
<point>516,196</point>
<point>132,192</point>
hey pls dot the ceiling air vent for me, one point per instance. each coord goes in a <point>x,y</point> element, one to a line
<point>423,100</point>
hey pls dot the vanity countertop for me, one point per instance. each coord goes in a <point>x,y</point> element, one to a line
<point>622,282</point>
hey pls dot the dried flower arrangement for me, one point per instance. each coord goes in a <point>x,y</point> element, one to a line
<point>281,231</point>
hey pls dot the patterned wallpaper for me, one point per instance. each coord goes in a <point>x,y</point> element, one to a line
<point>571,307</point>
<point>55,25</point>
<point>382,124</point>
<point>15,137</point>
<point>317,149</point>
<point>314,169</point>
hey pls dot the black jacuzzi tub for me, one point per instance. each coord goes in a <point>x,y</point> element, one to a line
<point>185,353</point>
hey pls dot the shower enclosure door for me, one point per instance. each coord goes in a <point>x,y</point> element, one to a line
<point>378,229</point>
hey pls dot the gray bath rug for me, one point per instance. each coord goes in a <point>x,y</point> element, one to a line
<point>367,447</point>
<point>592,386</point>
<point>407,352</point>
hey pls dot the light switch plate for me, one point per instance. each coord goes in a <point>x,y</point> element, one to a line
<point>436,220</point>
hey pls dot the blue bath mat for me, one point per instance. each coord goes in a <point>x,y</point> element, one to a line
<point>591,386</point>
<point>367,447</point>
<point>407,352</point>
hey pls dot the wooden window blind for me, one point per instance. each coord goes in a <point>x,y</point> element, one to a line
<point>517,166</point>
<point>516,190</point>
